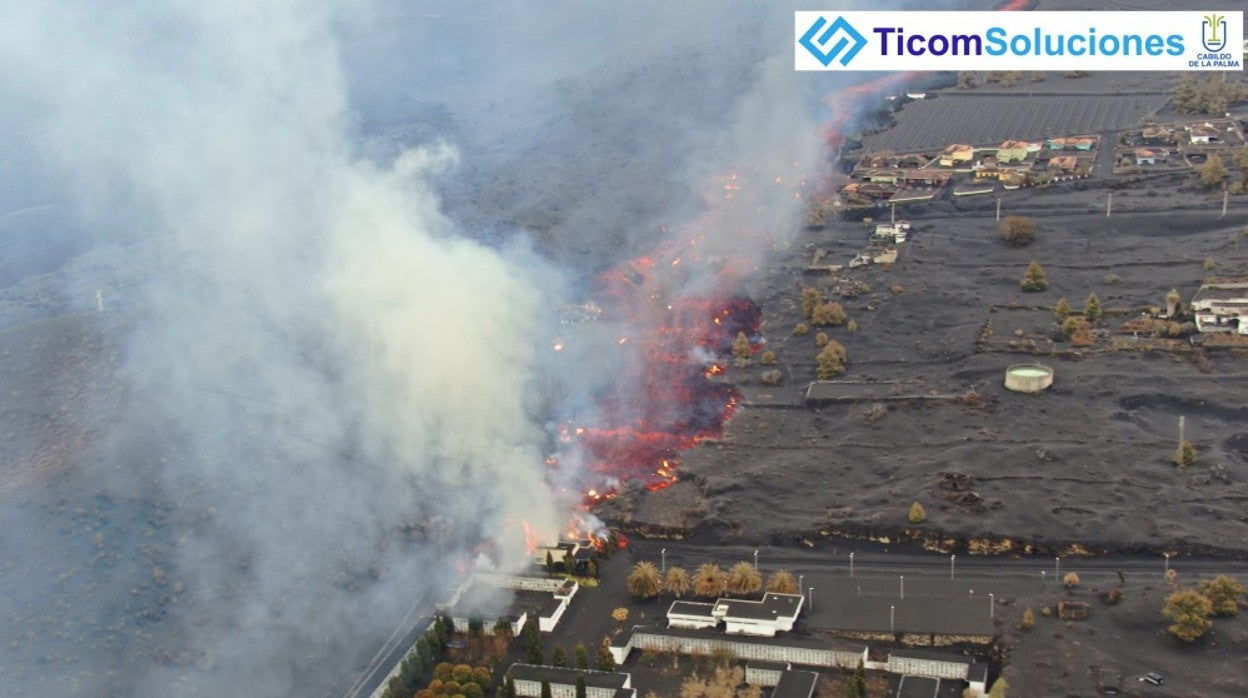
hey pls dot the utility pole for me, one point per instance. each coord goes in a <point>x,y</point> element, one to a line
<point>998,208</point>
<point>1109,203</point>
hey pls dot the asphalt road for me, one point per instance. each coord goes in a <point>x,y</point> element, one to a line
<point>873,559</point>
<point>414,623</point>
<point>876,570</point>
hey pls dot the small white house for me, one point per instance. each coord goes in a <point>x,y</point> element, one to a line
<point>1221,308</point>
<point>1148,156</point>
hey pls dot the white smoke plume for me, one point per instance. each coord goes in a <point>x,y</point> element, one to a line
<point>333,349</point>
<point>334,382</point>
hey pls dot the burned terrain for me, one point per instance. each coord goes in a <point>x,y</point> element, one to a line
<point>1086,465</point>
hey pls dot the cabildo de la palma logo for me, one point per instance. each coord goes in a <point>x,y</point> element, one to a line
<point>893,41</point>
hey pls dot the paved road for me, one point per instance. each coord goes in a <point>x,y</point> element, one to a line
<point>876,571</point>
<point>872,558</point>
<point>413,624</point>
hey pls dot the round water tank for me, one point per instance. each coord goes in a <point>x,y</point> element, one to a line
<point>1028,378</point>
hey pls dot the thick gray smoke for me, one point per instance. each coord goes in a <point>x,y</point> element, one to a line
<point>326,384</point>
<point>320,379</point>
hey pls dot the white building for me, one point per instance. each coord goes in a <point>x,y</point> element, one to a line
<point>796,684</point>
<point>936,665</point>
<point>793,650</point>
<point>545,598</point>
<point>1221,308</point>
<point>598,684</point>
<point>691,615</point>
<point>765,674</point>
<point>774,613</point>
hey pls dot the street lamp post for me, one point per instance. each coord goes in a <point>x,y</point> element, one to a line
<point>663,557</point>
<point>800,579</point>
<point>755,560</point>
<point>851,563</point>
<point>1057,567</point>
<point>952,558</point>
<point>992,606</point>
<point>892,618</point>
<point>902,580</point>
<point>810,598</point>
<point>1167,555</point>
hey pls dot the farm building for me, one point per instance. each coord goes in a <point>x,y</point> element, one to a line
<point>1071,143</point>
<point>1063,163</point>
<point>1221,308</point>
<point>1013,151</point>
<point>956,154</point>
<point>1148,156</point>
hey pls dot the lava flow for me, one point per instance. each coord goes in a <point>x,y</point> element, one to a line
<point>663,402</point>
<point>667,398</point>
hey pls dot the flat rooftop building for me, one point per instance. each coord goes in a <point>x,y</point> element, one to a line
<point>598,684</point>
<point>796,684</point>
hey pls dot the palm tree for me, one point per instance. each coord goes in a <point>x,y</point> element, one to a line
<point>709,581</point>
<point>644,581</point>
<point>676,582</point>
<point>782,582</point>
<point>743,579</point>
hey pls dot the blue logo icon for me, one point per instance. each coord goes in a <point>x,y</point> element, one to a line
<point>1209,32</point>
<point>826,41</point>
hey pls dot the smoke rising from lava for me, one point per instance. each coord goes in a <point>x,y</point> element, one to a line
<point>328,383</point>
<point>333,390</point>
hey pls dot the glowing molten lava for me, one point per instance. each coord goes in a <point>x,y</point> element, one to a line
<point>530,539</point>
<point>662,402</point>
<point>666,398</point>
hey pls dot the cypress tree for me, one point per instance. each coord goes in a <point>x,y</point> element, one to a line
<point>582,657</point>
